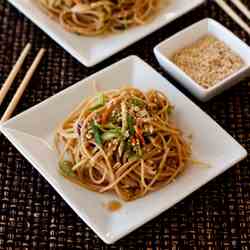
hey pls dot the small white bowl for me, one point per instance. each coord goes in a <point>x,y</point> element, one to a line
<point>188,36</point>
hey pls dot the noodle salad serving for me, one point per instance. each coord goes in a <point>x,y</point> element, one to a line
<point>122,141</point>
<point>94,17</point>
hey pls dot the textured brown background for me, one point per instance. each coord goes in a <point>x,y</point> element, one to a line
<point>33,215</point>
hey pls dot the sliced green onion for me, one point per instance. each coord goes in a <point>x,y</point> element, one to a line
<point>65,168</point>
<point>138,150</point>
<point>131,125</point>
<point>97,133</point>
<point>101,100</point>
<point>95,107</point>
<point>111,134</point>
<point>107,136</point>
<point>128,146</point>
<point>70,130</point>
<point>137,102</point>
<point>169,109</point>
<point>134,157</point>
<point>109,125</point>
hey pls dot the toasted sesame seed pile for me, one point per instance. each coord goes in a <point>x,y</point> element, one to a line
<point>208,61</point>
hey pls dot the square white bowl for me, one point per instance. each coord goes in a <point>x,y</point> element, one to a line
<point>165,50</point>
<point>31,132</point>
<point>92,50</point>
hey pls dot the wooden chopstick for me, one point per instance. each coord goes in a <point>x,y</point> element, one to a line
<point>22,86</point>
<point>233,15</point>
<point>7,84</point>
<point>242,8</point>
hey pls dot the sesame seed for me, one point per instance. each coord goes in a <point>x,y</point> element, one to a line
<point>208,61</point>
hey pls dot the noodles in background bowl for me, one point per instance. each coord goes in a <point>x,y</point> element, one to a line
<point>123,141</point>
<point>94,17</point>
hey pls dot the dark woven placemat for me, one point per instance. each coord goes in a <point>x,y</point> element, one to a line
<point>34,216</point>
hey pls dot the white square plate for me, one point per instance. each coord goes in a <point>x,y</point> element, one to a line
<point>92,50</point>
<point>165,50</point>
<point>31,132</point>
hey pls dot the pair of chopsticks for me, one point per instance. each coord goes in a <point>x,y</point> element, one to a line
<point>241,7</point>
<point>24,83</point>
